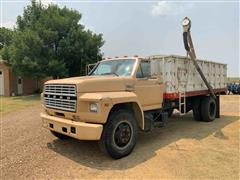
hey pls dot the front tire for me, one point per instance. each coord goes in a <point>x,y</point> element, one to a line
<point>119,134</point>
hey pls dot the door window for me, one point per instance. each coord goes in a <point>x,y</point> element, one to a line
<point>19,80</point>
<point>143,70</point>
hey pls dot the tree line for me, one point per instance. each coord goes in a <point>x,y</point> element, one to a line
<point>49,41</point>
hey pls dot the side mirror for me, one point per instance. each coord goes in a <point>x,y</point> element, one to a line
<point>90,67</point>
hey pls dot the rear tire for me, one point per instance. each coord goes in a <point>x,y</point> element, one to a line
<point>208,109</point>
<point>196,107</point>
<point>59,136</point>
<point>119,135</point>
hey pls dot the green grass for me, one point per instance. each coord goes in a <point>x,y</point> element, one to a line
<point>10,104</point>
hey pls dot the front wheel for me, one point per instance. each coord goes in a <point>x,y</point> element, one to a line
<point>119,134</point>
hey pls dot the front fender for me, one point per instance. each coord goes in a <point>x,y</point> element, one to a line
<point>106,101</point>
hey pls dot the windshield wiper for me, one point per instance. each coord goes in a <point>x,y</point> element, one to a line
<point>110,74</point>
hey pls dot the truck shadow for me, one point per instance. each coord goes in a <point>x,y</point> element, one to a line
<point>88,154</point>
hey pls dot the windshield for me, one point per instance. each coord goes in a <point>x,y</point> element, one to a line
<point>119,67</point>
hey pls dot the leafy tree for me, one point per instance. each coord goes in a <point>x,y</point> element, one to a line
<point>6,36</point>
<point>49,41</point>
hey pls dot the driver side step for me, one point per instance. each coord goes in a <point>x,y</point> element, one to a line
<point>153,120</point>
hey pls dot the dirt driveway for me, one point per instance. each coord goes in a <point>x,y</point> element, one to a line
<point>184,149</point>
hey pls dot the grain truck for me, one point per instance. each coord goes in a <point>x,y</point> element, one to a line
<point>124,95</point>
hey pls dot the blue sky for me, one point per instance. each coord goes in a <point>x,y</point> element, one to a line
<point>150,28</point>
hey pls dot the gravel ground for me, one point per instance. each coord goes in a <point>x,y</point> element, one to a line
<point>184,149</point>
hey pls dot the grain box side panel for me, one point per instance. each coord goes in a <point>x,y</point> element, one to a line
<point>179,74</point>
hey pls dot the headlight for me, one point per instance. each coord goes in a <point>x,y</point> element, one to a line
<point>93,107</point>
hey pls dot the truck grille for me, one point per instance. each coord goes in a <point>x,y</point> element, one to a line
<point>60,96</point>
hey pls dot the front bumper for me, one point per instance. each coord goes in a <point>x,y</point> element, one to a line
<point>78,130</point>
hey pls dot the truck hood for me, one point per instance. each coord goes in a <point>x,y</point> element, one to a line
<point>95,83</point>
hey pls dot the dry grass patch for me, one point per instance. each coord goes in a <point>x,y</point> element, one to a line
<point>9,104</point>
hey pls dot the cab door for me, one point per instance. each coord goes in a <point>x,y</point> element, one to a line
<point>148,89</point>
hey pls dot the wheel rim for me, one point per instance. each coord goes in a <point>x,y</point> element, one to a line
<point>122,134</point>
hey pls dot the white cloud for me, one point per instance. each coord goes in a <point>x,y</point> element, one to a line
<point>168,8</point>
<point>8,24</point>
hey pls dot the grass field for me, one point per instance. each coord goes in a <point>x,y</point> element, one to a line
<point>9,104</point>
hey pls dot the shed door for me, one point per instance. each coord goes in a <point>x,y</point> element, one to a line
<point>20,85</point>
<point>1,83</point>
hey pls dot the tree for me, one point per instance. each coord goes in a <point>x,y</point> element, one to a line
<point>49,41</point>
<point>6,36</point>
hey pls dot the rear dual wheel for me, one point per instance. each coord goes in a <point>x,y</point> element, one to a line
<point>208,109</point>
<point>197,109</point>
<point>204,109</point>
